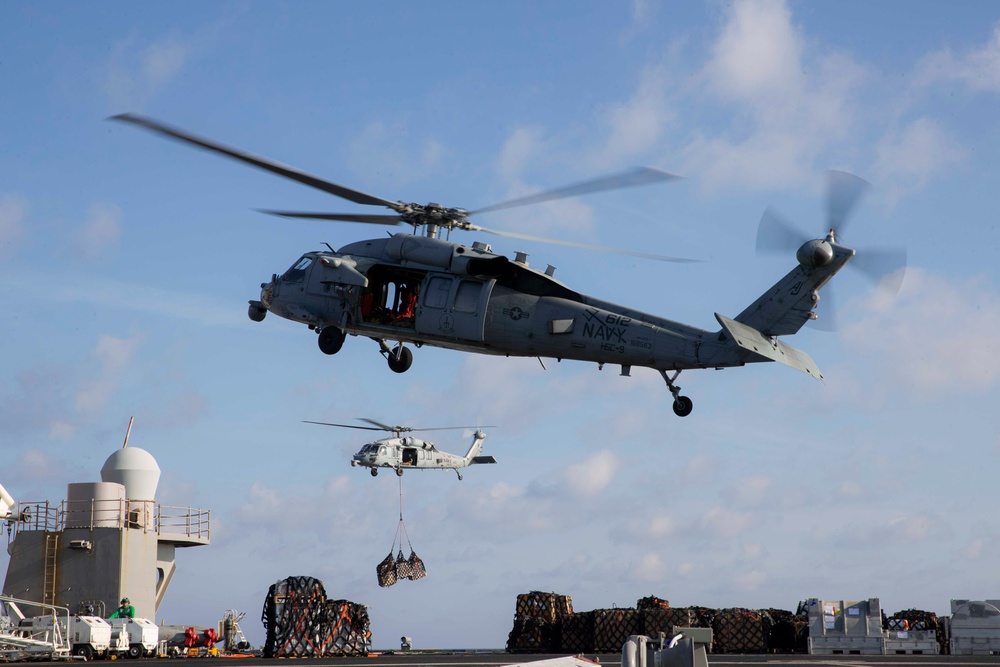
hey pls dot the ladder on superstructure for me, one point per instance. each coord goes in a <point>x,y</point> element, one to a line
<point>51,550</point>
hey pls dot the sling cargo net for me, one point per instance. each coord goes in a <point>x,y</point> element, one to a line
<point>576,633</point>
<point>301,623</point>
<point>739,631</point>
<point>916,620</point>
<point>394,568</point>
<point>612,627</point>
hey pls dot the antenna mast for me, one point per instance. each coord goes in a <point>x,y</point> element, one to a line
<point>125,444</point>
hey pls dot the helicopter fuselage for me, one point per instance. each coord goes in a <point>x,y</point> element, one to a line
<point>407,452</point>
<point>428,291</point>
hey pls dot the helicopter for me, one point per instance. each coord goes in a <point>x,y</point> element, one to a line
<point>404,452</point>
<point>427,290</point>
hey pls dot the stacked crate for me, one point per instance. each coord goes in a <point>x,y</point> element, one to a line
<point>739,631</point>
<point>786,632</point>
<point>537,618</point>
<point>300,622</point>
<point>613,626</point>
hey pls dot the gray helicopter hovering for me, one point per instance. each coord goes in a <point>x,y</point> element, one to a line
<point>405,452</point>
<point>428,290</point>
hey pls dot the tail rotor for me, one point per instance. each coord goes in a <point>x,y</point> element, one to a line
<point>884,267</point>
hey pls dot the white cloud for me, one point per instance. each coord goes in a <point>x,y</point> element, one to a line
<point>637,124</point>
<point>788,104</point>
<point>750,581</point>
<point>161,61</point>
<point>12,210</point>
<point>519,148</point>
<point>36,465</point>
<point>113,357</point>
<point>135,74</point>
<point>650,568</point>
<point>154,301</point>
<point>977,68</point>
<point>903,344</point>
<point>752,491</point>
<point>642,529</point>
<point>384,152</point>
<point>758,55</point>
<point>725,522</point>
<point>101,230</point>
<point>593,475</point>
<point>907,158</point>
<point>851,490</point>
<point>975,550</point>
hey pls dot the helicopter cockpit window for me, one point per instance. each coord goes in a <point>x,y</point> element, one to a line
<point>467,297</point>
<point>298,271</point>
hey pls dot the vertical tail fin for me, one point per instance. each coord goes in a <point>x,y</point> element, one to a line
<point>473,457</point>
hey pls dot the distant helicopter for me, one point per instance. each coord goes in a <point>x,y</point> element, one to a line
<point>405,452</point>
<point>427,290</point>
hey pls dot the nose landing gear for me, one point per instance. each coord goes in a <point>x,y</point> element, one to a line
<point>331,339</point>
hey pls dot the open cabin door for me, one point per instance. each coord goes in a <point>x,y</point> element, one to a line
<point>453,306</point>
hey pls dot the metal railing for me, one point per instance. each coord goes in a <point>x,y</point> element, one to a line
<point>111,513</point>
<point>183,520</point>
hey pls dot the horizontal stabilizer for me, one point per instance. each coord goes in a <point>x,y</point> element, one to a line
<point>482,459</point>
<point>750,339</point>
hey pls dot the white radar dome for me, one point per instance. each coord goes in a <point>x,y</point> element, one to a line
<point>135,469</point>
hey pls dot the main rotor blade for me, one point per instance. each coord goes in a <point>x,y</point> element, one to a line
<point>628,179</point>
<point>407,429</point>
<point>385,427</point>
<point>363,428</point>
<point>775,234</point>
<point>374,219</point>
<point>885,267</point>
<point>275,167</point>
<point>448,428</point>
<point>844,190</point>
<point>587,246</point>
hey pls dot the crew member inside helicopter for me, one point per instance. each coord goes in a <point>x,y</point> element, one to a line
<point>389,301</point>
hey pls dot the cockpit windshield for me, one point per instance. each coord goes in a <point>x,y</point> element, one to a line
<point>298,271</point>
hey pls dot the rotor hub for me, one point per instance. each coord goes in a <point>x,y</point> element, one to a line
<point>815,254</point>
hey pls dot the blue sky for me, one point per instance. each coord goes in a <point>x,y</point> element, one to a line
<point>127,262</point>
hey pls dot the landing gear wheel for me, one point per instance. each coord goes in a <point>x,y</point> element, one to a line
<point>83,651</point>
<point>135,651</point>
<point>400,359</point>
<point>331,339</point>
<point>683,406</point>
<point>459,476</point>
<point>374,472</point>
<point>399,472</point>
<point>256,313</point>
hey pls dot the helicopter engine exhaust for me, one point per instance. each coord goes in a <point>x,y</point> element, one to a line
<point>815,254</point>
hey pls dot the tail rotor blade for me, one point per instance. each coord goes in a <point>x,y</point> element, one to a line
<point>776,234</point>
<point>844,190</point>
<point>884,267</point>
<point>826,311</point>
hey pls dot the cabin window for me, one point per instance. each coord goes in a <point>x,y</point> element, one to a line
<point>467,297</point>
<point>298,271</point>
<point>436,295</point>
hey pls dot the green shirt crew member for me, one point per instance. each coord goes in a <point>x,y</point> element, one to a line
<point>124,611</point>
